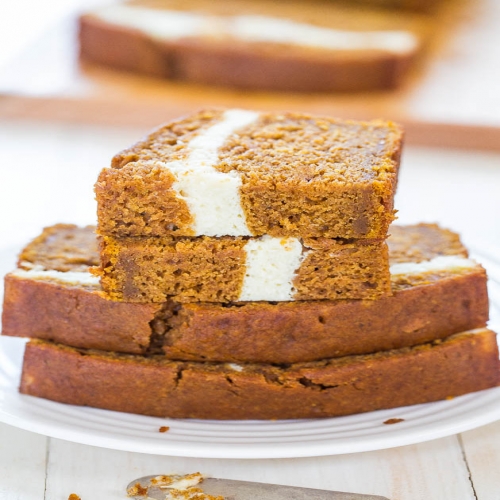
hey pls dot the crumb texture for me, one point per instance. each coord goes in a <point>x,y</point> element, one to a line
<point>205,269</point>
<point>62,247</point>
<point>423,242</point>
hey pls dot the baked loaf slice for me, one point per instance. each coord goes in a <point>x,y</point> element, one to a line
<point>437,292</point>
<point>292,46</point>
<point>460,364</point>
<point>235,269</point>
<point>244,173</point>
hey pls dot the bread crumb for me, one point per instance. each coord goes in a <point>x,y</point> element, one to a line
<point>137,491</point>
<point>175,487</point>
<point>163,428</point>
<point>394,421</point>
<point>181,482</point>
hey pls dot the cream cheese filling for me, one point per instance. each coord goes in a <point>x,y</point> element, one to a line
<point>69,277</point>
<point>235,367</point>
<point>178,482</point>
<point>271,264</point>
<point>213,197</point>
<point>172,25</point>
<point>163,24</point>
<point>285,31</point>
<point>440,263</point>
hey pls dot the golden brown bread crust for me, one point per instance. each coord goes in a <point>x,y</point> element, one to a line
<point>247,332</point>
<point>460,364</point>
<point>302,176</point>
<point>422,309</point>
<point>74,316</point>
<point>240,64</point>
<point>209,269</point>
<point>307,331</point>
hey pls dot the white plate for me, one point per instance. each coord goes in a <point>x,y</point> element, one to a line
<point>247,439</point>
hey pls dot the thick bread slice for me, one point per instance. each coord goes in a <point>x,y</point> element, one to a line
<point>237,172</point>
<point>460,364</point>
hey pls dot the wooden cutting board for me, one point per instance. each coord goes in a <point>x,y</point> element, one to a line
<point>452,97</point>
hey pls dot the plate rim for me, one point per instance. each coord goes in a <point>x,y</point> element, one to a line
<point>486,401</point>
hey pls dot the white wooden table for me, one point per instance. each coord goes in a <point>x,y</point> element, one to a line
<point>46,176</point>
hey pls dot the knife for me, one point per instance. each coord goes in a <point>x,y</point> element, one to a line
<point>243,490</point>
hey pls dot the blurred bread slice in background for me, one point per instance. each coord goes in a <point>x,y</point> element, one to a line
<point>292,46</point>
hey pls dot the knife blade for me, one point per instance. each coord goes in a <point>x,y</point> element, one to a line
<point>246,490</point>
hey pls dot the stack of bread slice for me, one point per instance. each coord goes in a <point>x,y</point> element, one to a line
<point>244,271</point>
